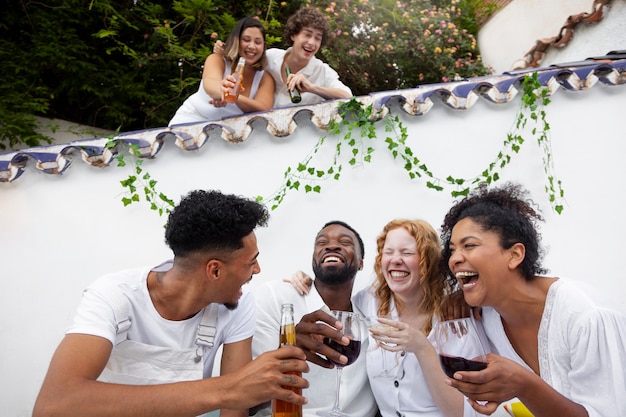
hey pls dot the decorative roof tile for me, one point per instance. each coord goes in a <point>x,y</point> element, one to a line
<point>281,122</point>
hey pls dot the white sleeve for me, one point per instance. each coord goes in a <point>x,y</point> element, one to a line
<point>331,79</point>
<point>243,322</point>
<point>94,317</point>
<point>267,333</point>
<point>598,361</point>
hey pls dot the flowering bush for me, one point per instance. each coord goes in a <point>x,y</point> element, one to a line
<point>388,44</point>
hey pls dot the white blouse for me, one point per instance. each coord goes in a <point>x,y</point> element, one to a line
<point>406,394</point>
<point>582,349</point>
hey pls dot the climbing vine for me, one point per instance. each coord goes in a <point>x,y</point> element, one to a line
<point>139,182</point>
<point>355,129</point>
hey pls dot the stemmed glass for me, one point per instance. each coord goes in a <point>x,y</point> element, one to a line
<point>352,330</point>
<point>374,323</point>
<point>459,346</point>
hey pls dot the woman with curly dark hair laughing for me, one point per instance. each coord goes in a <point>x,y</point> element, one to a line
<point>554,348</point>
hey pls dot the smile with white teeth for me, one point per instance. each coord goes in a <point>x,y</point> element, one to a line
<point>398,274</point>
<point>466,277</point>
<point>331,259</point>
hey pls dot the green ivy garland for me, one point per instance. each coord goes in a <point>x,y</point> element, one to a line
<point>139,183</point>
<point>356,122</point>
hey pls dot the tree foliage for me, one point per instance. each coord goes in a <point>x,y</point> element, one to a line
<point>388,44</point>
<point>129,64</point>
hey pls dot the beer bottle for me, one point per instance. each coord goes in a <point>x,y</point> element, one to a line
<point>282,408</point>
<point>231,94</point>
<point>295,95</point>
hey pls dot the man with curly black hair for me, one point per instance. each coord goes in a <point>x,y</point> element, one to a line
<point>306,32</point>
<point>144,341</point>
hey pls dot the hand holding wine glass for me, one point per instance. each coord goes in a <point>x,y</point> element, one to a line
<point>351,323</point>
<point>374,324</point>
<point>459,346</point>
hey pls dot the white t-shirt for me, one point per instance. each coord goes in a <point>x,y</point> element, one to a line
<point>95,316</point>
<point>406,394</point>
<point>582,349</point>
<point>356,398</point>
<point>316,71</point>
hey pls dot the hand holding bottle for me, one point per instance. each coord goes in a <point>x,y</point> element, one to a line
<point>281,408</point>
<point>233,84</point>
<point>294,92</point>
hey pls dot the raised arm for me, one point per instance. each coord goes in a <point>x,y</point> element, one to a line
<point>212,76</point>
<point>71,387</point>
<point>264,97</point>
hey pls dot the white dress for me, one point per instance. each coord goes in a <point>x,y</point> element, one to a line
<point>197,108</point>
<point>582,349</point>
<point>316,71</point>
<point>406,394</point>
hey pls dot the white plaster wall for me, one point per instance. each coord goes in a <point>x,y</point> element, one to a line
<point>61,232</point>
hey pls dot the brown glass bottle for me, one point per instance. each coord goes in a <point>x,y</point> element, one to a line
<point>231,94</point>
<point>282,408</point>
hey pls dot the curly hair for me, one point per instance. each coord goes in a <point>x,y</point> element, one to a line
<point>506,211</point>
<point>306,17</point>
<point>431,279</point>
<point>231,47</point>
<point>212,221</point>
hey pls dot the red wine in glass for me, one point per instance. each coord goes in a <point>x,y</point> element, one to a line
<point>351,328</point>
<point>459,346</point>
<point>452,364</point>
<point>351,351</point>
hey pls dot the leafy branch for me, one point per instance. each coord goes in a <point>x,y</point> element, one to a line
<point>355,127</point>
<point>140,183</point>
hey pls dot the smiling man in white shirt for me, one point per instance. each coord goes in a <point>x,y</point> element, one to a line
<point>337,257</point>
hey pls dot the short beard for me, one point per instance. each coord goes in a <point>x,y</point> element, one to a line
<point>335,276</point>
<point>231,306</point>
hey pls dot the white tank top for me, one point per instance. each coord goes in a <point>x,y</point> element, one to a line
<point>197,108</point>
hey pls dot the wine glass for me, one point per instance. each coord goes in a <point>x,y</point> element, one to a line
<point>373,323</point>
<point>352,330</point>
<point>459,346</point>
